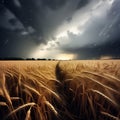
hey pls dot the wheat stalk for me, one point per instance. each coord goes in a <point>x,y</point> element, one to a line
<point>28,117</point>
<point>106,97</point>
<point>51,107</point>
<point>20,107</point>
<point>105,86</point>
<point>110,116</point>
<point>32,89</point>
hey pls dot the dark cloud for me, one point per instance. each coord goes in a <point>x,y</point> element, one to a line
<point>13,21</point>
<point>82,3</point>
<point>25,24</point>
<point>2,9</point>
<point>34,14</point>
<point>69,19</point>
<point>100,38</point>
<point>54,4</point>
<point>30,15</point>
<point>96,52</point>
<point>12,47</point>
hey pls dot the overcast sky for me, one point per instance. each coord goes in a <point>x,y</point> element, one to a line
<point>60,29</point>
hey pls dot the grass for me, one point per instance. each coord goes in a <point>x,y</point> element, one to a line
<point>65,90</point>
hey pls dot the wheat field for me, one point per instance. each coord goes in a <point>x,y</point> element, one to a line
<point>60,90</point>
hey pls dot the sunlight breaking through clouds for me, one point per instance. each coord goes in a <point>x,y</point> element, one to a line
<point>65,56</point>
<point>81,22</point>
<point>83,28</point>
<point>40,28</point>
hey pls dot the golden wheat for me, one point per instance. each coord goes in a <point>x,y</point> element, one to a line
<point>72,90</point>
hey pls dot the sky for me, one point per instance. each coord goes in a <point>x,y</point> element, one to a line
<point>60,29</point>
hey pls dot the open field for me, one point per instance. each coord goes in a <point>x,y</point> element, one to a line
<point>60,90</point>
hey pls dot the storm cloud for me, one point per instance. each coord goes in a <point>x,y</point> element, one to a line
<point>47,28</point>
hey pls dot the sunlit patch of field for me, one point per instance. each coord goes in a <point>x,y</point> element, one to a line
<point>60,90</point>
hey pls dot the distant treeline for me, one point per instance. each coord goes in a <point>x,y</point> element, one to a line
<point>17,58</point>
